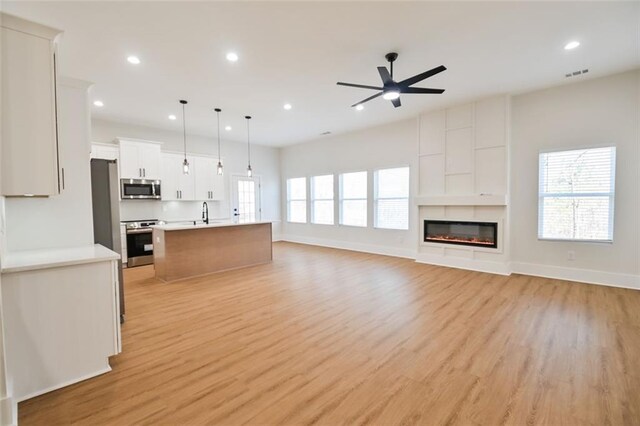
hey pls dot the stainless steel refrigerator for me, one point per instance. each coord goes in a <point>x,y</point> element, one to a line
<point>106,212</point>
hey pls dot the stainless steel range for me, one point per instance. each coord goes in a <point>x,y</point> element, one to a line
<point>140,242</point>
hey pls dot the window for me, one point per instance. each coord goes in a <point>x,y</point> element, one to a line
<point>297,200</point>
<point>576,194</point>
<point>391,198</point>
<point>322,200</point>
<point>353,199</point>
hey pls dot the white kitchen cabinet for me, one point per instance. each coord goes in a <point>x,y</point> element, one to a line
<point>29,129</point>
<point>175,184</point>
<point>209,184</point>
<point>105,151</point>
<point>139,160</point>
<point>61,317</point>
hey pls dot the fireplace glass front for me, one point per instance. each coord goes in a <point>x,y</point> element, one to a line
<point>476,234</point>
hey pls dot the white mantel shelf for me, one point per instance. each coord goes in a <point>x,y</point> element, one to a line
<point>461,200</point>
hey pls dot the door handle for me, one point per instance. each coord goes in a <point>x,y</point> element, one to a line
<point>144,172</point>
<point>177,194</point>
<point>140,172</point>
<point>63,178</point>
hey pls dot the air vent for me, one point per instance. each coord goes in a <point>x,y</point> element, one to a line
<point>576,73</point>
<point>325,133</point>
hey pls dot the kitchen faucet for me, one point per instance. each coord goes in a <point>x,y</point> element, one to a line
<point>205,213</point>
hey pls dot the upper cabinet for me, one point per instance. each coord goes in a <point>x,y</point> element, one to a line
<point>30,155</point>
<point>209,184</point>
<point>175,184</point>
<point>139,160</point>
<point>105,151</point>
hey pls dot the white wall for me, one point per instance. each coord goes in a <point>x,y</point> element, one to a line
<point>63,220</point>
<point>265,162</point>
<point>596,112</point>
<point>391,145</point>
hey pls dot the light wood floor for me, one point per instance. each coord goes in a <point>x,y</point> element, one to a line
<point>324,336</point>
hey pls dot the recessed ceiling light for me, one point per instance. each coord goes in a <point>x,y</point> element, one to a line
<point>359,107</point>
<point>133,60</point>
<point>391,95</point>
<point>228,128</point>
<point>287,106</point>
<point>232,57</point>
<point>571,45</point>
<point>172,117</point>
<point>98,103</point>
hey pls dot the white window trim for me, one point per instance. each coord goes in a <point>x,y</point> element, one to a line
<point>610,194</point>
<point>313,200</point>
<point>341,199</point>
<point>376,198</point>
<point>289,200</point>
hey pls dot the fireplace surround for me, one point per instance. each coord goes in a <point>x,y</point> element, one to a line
<point>474,234</point>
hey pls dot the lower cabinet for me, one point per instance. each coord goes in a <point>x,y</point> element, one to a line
<point>61,325</point>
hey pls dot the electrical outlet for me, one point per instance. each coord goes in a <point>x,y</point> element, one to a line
<point>571,255</point>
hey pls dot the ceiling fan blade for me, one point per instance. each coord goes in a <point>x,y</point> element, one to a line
<point>417,78</point>
<point>420,90</point>
<point>368,99</point>
<point>396,102</point>
<point>384,75</point>
<point>361,86</point>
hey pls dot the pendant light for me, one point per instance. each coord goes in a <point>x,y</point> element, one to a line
<point>218,110</point>
<point>185,163</point>
<point>249,171</point>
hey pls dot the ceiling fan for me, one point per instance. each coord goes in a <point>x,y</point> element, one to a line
<point>392,89</point>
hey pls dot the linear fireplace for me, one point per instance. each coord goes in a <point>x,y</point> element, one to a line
<point>476,234</point>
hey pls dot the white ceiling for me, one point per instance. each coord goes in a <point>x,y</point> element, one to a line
<point>296,52</point>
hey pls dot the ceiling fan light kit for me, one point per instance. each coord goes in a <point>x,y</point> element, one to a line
<point>391,89</point>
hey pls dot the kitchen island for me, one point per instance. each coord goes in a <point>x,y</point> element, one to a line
<point>183,251</point>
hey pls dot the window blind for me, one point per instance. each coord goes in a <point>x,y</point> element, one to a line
<point>353,199</point>
<point>297,200</point>
<point>391,198</point>
<point>322,200</point>
<point>576,194</point>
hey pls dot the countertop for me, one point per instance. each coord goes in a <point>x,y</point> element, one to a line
<point>182,227</point>
<point>30,260</point>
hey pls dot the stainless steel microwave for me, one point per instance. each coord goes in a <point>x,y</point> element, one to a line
<point>140,189</point>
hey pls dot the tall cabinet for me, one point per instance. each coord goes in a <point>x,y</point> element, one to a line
<point>30,154</point>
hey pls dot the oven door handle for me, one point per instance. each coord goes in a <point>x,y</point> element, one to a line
<point>139,231</point>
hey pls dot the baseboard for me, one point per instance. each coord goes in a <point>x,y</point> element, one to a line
<point>611,279</point>
<point>350,245</point>
<point>500,268</point>
<point>589,276</point>
<point>64,384</point>
<point>8,411</point>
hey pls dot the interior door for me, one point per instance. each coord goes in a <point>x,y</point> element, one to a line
<point>245,198</point>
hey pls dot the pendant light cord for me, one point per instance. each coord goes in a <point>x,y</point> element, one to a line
<point>184,131</point>
<point>248,140</point>
<point>218,113</point>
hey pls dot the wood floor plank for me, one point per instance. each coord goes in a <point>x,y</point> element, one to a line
<point>327,337</point>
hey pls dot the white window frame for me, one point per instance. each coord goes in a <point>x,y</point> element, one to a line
<point>376,198</point>
<point>289,200</point>
<point>610,194</point>
<point>341,199</point>
<point>313,199</point>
